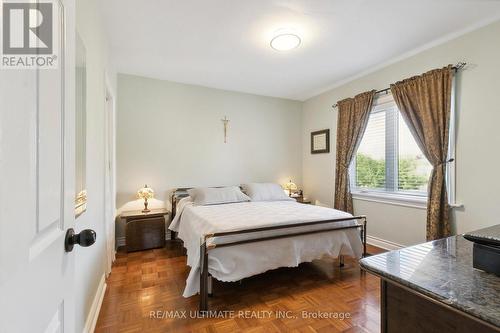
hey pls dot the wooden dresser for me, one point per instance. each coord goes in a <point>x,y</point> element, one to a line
<point>433,287</point>
<point>144,230</point>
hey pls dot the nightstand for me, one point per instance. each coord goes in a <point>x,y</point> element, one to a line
<point>300,199</point>
<point>144,230</point>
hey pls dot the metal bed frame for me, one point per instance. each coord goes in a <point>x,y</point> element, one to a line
<point>205,247</point>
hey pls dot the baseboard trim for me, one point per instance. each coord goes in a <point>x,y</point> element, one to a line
<point>382,243</point>
<point>96,306</point>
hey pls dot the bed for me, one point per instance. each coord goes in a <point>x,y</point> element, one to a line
<point>233,241</point>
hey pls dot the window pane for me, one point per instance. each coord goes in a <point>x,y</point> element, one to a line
<point>413,168</point>
<point>370,158</point>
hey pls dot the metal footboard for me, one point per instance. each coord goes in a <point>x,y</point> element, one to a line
<point>205,248</point>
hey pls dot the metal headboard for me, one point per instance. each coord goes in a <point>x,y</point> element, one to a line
<point>178,194</point>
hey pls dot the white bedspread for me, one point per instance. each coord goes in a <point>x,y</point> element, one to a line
<point>240,261</point>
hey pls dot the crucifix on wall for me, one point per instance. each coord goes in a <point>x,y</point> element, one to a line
<point>225,121</point>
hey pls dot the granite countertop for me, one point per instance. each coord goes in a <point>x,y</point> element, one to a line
<point>442,270</point>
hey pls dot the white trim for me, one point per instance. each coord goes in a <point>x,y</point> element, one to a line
<point>95,307</point>
<point>409,54</point>
<point>382,243</point>
<point>456,205</point>
<point>109,173</point>
<point>392,199</point>
<point>397,200</point>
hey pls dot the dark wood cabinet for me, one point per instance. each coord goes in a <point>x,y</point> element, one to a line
<point>144,230</point>
<point>433,288</point>
<point>405,310</point>
<point>300,199</point>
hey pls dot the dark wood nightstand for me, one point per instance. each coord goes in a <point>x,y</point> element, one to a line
<point>300,199</point>
<point>144,230</point>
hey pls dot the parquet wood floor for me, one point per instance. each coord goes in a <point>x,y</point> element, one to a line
<point>142,283</point>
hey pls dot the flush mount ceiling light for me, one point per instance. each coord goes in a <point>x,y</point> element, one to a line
<point>285,41</point>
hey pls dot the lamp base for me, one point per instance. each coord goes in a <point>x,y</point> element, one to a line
<point>146,210</point>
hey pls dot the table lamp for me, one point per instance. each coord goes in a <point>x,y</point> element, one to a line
<point>145,193</point>
<point>290,187</point>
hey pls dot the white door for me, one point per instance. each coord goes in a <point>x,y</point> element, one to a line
<point>37,152</point>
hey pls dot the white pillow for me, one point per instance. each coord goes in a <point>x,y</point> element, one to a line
<point>265,192</point>
<point>213,196</point>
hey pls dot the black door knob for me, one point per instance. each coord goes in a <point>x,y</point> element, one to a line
<point>85,238</point>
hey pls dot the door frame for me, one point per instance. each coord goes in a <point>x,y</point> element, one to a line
<point>109,164</point>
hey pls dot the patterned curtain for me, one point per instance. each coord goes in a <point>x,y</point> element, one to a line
<point>353,114</point>
<point>425,104</point>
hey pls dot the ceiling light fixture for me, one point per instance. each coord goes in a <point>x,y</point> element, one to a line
<point>285,42</point>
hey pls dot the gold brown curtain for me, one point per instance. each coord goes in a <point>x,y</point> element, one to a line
<point>353,114</point>
<point>425,104</point>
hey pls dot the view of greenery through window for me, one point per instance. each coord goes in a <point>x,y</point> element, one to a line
<point>388,157</point>
<point>370,173</point>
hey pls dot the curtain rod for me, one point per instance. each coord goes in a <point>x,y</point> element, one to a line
<point>457,67</point>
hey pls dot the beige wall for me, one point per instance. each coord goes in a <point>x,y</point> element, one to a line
<point>91,261</point>
<point>171,135</point>
<point>478,137</point>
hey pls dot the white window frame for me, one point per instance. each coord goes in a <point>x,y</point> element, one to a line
<point>406,198</point>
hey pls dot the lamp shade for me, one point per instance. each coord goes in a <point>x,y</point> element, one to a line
<point>290,186</point>
<point>145,193</point>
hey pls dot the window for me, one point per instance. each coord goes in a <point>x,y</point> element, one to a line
<point>388,162</point>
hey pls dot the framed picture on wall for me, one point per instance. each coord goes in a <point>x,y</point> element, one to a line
<point>320,142</point>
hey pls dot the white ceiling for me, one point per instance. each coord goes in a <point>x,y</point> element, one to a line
<point>225,43</point>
